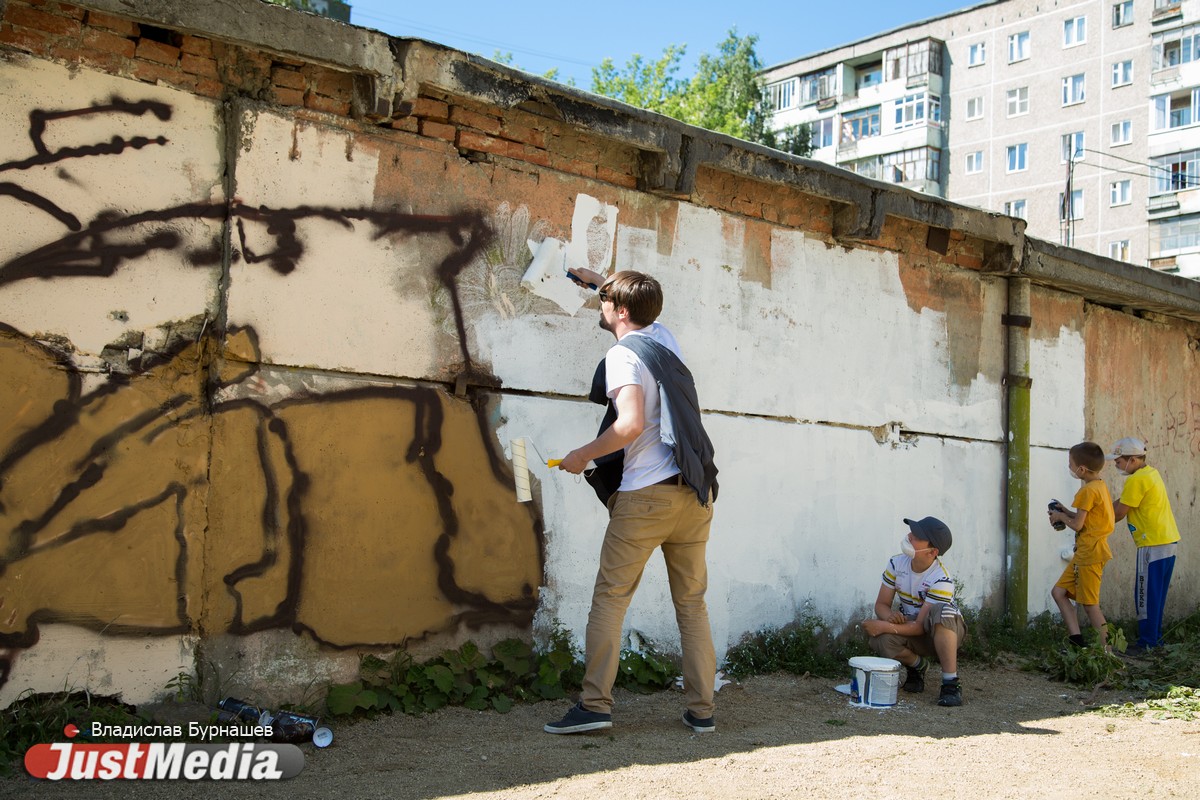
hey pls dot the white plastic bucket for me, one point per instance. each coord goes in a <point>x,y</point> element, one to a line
<point>874,681</point>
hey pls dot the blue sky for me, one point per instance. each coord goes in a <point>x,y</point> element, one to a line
<point>575,36</point>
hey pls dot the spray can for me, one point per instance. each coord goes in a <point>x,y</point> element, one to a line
<point>241,711</point>
<point>288,726</point>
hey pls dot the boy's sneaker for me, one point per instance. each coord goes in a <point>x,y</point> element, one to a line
<point>579,720</point>
<point>914,680</point>
<point>951,693</point>
<point>706,725</point>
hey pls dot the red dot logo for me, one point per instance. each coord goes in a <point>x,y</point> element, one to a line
<point>71,731</point>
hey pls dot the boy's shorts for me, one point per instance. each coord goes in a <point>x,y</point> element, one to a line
<point>1082,582</point>
<point>889,645</point>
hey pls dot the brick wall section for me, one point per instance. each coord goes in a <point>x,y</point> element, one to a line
<point>67,33</point>
<point>435,120</point>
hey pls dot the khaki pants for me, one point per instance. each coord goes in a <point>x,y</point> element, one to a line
<point>669,517</point>
<point>890,645</point>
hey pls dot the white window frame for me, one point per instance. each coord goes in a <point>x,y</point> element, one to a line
<point>1120,192</point>
<point>1016,157</point>
<point>1119,250</point>
<point>823,131</point>
<point>1163,119</point>
<point>1018,99</point>
<point>976,54</point>
<point>1018,47</point>
<point>1074,89</point>
<point>1072,146</point>
<point>1122,73</point>
<point>1076,210</point>
<point>1121,133</point>
<point>1074,32</point>
<point>914,110</point>
<point>975,107</point>
<point>975,162</point>
<point>1122,13</point>
<point>1017,208</point>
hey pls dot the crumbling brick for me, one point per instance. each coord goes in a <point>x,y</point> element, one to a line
<point>288,78</point>
<point>108,42</point>
<point>197,46</point>
<point>472,119</point>
<point>31,41</point>
<point>437,130</point>
<point>431,109</point>
<point>159,53</point>
<point>329,105</point>
<point>98,19</point>
<point>195,65</point>
<point>26,17</point>
<point>409,124</point>
<point>153,73</point>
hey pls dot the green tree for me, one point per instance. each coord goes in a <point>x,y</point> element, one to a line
<point>298,5</point>
<point>724,95</point>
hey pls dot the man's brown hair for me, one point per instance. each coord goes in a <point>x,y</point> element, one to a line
<point>1088,455</point>
<point>636,292</point>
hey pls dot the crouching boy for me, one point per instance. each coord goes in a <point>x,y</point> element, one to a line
<point>927,623</point>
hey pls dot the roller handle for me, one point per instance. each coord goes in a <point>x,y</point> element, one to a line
<point>554,462</point>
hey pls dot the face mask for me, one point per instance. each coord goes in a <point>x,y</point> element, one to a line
<point>907,548</point>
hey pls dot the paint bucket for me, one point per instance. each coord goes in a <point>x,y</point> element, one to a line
<point>874,682</point>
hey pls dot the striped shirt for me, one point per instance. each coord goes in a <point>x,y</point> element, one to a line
<point>933,585</point>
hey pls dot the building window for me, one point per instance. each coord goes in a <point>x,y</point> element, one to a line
<point>1122,73</point>
<point>1076,209</point>
<point>782,95</point>
<point>907,165</point>
<point>861,124</point>
<point>1123,14</point>
<point>868,75</point>
<point>914,109</point>
<point>1176,110</point>
<point>1176,172</point>
<point>1018,101</point>
<point>1074,31</point>
<point>1118,193</point>
<point>977,54</point>
<point>1072,146</point>
<point>1016,155</point>
<point>975,107</point>
<point>1119,250</point>
<point>1122,132</point>
<point>975,162</point>
<point>1176,47</point>
<point>822,132</point>
<point>1180,233</point>
<point>1073,90</point>
<point>817,86</point>
<point>912,60</point>
<point>1016,208</point>
<point>1018,47</point>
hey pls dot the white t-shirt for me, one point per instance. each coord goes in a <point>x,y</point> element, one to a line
<point>916,588</point>
<point>647,459</point>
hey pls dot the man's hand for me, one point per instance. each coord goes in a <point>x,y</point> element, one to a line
<point>574,462</point>
<point>586,276</point>
<point>878,627</point>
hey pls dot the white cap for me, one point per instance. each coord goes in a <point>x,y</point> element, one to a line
<point>1129,446</point>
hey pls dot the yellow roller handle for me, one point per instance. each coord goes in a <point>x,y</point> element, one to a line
<point>554,462</point>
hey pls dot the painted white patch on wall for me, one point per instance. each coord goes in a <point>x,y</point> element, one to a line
<point>70,658</point>
<point>787,532</point>
<point>120,134</point>
<point>1057,395</point>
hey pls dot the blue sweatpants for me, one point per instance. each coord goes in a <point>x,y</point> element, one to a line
<point>1154,567</point>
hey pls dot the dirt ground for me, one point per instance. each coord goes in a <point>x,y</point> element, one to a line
<point>1017,736</point>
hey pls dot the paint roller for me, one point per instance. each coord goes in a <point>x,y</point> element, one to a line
<point>520,462</point>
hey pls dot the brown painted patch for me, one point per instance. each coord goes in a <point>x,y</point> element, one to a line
<point>960,296</point>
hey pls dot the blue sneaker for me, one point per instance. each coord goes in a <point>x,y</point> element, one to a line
<point>579,720</point>
<point>706,725</point>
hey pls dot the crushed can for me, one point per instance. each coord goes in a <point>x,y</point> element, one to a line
<point>240,711</point>
<point>288,726</point>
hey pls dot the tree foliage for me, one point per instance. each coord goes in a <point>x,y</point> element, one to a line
<point>725,94</point>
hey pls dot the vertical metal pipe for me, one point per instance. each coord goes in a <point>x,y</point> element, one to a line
<point>1018,382</point>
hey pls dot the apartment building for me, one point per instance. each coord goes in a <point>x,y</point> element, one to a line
<point>1082,117</point>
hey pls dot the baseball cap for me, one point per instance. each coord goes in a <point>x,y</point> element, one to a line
<point>932,530</point>
<point>1129,446</point>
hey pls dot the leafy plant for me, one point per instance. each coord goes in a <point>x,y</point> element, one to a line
<point>645,672</point>
<point>1091,665</point>
<point>805,646</point>
<point>39,718</point>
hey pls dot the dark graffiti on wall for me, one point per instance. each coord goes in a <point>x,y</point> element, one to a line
<point>180,497</point>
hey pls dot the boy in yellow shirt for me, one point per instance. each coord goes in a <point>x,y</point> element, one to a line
<point>1092,522</point>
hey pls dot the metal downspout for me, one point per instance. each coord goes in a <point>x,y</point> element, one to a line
<point>1017,381</point>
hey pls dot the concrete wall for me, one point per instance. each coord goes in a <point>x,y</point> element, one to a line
<point>267,345</point>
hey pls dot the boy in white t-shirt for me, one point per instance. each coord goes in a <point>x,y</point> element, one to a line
<point>928,622</point>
